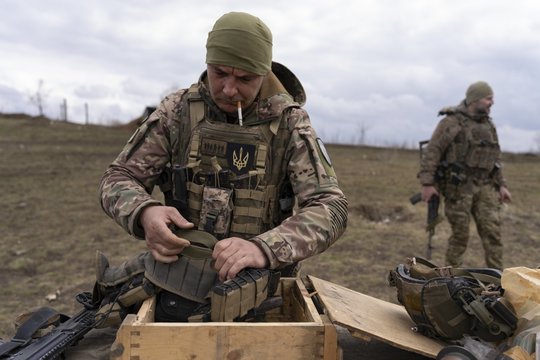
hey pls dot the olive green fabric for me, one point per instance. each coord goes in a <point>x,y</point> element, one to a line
<point>235,297</point>
<point>202,243</point>
<point>477,91</point>
<point>240,40</point>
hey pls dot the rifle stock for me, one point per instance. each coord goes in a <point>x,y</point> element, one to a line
<point>53,344</point>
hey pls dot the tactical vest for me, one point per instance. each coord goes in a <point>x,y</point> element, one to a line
<point>474,151</point>
<point>448,303</point>
<point>230,180</point>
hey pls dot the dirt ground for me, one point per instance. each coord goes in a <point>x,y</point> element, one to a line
<point>52,223</point>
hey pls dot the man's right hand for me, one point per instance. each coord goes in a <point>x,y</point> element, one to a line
<point>428,191</point>
<point>162,242</point>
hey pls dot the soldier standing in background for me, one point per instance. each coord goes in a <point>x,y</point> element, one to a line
<point>463,162</point>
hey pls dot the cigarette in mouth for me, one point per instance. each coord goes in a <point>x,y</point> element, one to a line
<point>239,104</point>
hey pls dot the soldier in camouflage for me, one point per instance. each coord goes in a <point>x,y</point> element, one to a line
<point>463,162</point>
<point>239,138</point>
<point>235,155</point>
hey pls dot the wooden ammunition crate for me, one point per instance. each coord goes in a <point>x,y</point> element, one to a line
<point>297,330</point>
<point>294,331</point>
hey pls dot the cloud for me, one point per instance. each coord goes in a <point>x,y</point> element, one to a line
<point>92,91</point>
<point>12,100</point>
<point>382,67</point>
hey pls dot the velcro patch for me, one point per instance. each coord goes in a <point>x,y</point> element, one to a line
<point>213,147</point>
<point>324,153</point>
<point>240,157</point>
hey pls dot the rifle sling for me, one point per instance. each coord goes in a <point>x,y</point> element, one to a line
<point>36,321</point>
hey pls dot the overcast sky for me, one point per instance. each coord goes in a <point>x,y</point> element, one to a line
<point>380,68</point>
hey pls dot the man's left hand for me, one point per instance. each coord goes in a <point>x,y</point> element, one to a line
<point>231,255</point>
<point>504,195</point>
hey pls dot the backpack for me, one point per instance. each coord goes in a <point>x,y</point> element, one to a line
<point>448,303</point>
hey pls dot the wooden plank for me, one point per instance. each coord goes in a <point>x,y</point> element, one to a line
<point>365,316</point>
<point>331,349</point>
<point>146,312</point>
<point>161,341</point>
<point>309,308</point>
<point>118,348</point>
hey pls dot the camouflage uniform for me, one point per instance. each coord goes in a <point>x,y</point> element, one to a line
<point>463,159</point>
<point>293,160</point>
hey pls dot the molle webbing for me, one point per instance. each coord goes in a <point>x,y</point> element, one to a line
<point>189,278</point>
<point>194,157</point>
<point>192,275</point>
<point>210,152</point>
<point>250,211</point>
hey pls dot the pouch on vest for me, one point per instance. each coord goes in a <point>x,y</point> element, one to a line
<point>216,211</point>
<point>448,303</point>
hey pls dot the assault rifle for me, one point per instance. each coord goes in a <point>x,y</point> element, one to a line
<point>67,332</point>
<point>432,218</point>
<point>433,203</point>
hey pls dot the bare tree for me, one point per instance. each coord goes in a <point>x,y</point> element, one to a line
<point>38,98</point>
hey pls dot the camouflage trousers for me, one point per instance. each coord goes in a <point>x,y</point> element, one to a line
<point>481,203</point>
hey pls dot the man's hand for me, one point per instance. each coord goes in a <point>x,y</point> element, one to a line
<point>231,255</point>
<point>163,244</point>
<point>428,191</point>
<point>504,195</point>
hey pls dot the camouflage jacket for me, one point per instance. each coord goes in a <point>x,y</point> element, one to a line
<point>470,142</point>
<point>163,139</point>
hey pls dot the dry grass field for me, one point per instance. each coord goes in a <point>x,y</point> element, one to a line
<point>52,224</point>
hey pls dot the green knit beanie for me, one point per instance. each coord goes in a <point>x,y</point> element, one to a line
<point>241,41</point>
<point>477,91</point>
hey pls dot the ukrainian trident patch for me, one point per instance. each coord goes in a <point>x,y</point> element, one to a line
<point>240,157</point>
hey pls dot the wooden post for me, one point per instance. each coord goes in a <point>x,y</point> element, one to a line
<point>65,110</point>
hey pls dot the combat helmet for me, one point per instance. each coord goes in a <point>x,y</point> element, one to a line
<point>448,303</point>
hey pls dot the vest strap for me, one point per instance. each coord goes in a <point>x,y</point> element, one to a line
<point>196,105</point>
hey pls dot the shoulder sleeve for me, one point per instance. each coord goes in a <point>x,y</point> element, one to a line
<point>322,213</point>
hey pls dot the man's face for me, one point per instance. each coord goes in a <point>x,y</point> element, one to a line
<point>229,85</point>
<point>483,106</point>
